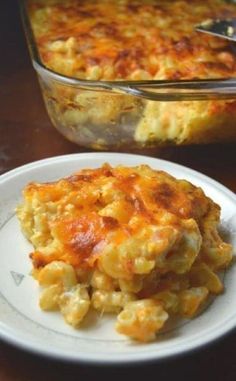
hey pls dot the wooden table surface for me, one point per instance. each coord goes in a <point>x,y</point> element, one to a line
<point>26,134</point>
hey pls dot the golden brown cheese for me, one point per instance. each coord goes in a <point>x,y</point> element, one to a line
<point>135,40</point>
<point>79,213</point>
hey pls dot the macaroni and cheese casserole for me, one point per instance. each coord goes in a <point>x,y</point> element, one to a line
<point>126,240</point>
<point>133,40</point>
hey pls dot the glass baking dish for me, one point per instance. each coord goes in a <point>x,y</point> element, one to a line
<point>113,115</point>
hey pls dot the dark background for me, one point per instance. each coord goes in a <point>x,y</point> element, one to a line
<point>26,134</point>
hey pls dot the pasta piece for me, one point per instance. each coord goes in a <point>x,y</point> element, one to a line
<point>202,275</point>
<point>141,319</point>
<point>189,243</point>
<point>134,285</point>
<point>74,305</point>
<point>113,301</point>
<point>120,210</point>
<point>57,272</point>
<point>169,300</point>
<point>49,297</point>
<point>191,299</point>
<point>102,281</point>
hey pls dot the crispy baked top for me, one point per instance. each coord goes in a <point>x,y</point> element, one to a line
<point>77,218</point>
<point>134,40</point>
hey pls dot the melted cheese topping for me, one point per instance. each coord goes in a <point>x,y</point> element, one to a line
<point>135,40</point>
<point>122,215</point>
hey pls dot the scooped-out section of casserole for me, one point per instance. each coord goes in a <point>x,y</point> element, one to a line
<point>127,40</point>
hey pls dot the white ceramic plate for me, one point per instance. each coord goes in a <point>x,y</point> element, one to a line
<point>24,324</point>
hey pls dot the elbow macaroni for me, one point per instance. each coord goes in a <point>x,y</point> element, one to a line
<point>130,241</point>
<point>141,319</point>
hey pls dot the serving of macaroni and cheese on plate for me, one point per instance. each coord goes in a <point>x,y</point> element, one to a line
<point>124,240</point>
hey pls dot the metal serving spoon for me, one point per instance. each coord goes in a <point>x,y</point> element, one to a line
<point>222,28</point>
